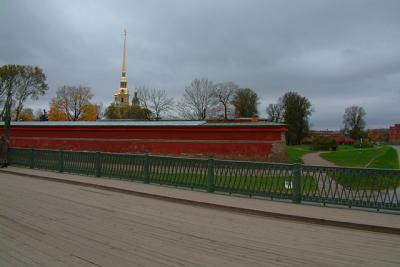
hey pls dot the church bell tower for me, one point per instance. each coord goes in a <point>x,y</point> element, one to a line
<point>122,94</point>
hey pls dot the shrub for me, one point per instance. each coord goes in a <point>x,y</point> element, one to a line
<point>324,143</point>
<point>365,143</point>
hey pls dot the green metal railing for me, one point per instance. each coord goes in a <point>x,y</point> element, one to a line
<point>353,187</point>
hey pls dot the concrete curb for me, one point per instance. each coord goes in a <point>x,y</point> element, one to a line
<point>261,213</point>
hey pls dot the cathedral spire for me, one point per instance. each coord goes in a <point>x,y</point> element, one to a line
<point>124,56</point>
<point>122,94</point>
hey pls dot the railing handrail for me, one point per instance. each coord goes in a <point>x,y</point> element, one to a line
<point>205,158</point>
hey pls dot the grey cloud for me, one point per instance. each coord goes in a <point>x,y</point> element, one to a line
<point>337,53</point>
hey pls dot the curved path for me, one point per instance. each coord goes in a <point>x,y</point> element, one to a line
<point>335,189</point>
<point>316,160</point>
<point>397,148</point>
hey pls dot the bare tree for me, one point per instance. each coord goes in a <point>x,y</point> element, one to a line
<point>353,120</point>
<point>223,92</point>
<point>99,110</point>
<point>155,100</point>
<point>197,99</point>
<point>71,100</point>
<point>276,112</point>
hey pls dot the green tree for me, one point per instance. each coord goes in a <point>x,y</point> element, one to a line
<point>136,112</point>
<point>245,102</point>
<point>354,123</point>
<point>113,112</point>
<point>17,84</point>
<point>41,115</point>
<point>117,112</point>
<point>297,110</point>
<point>32,85</point>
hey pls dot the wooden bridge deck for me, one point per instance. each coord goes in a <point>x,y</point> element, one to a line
<point>43,223</point>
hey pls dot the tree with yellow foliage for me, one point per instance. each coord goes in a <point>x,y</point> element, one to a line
<point>55,112</point>
<point>26,115</point>
<point>72,103</point>
<point>89,113</point>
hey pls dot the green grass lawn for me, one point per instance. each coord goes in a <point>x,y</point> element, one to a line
<point>368,182</point>
<point>247,184</point>
<point>376,157</point>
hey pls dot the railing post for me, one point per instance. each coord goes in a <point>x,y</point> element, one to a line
<point>296,195</point>
<point>32,159</point>
<point>146,179</point>
<point>98,164</point>
<point>61,161</point>
<point>7,157</point>
<point>210,182</point>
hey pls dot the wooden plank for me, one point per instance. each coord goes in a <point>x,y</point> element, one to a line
<point>73,225</point>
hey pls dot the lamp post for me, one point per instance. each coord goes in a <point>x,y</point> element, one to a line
<point>7,126</point>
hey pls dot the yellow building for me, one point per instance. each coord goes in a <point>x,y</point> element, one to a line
<point>122,94</point>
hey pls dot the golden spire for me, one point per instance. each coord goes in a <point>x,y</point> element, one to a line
<point>124,54</point>
<point>122,94</point>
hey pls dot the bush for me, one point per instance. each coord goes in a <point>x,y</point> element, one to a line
<point>365,143</point>
<point>324,143</point>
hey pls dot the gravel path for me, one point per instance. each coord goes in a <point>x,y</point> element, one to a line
<point>316,160</point>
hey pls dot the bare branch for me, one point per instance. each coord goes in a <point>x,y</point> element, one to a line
<point>197,99</point>
<point>155,100</point>
<point>223,93</point>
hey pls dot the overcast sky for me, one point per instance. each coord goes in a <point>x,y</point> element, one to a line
<point>336,53</point>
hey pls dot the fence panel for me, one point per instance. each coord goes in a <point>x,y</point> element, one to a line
<point>80,162</point>
<point>254,179</point>
<point>20,157</point>
<point>185,172</point>
<point>122,166</point>
<point>46,159</point>
<point>371,188</point>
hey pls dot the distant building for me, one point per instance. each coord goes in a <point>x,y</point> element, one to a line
<point>378,135</point>
<point>394,133</point>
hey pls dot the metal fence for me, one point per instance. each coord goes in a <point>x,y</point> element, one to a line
<point>358,187</point>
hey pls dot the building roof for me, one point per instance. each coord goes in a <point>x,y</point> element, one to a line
<point>110,123</point>
<point>141,123</point>
<point>256,123</point>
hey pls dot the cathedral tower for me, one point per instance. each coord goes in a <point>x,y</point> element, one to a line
<point>122,94</point>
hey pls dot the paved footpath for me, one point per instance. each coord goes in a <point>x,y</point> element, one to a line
<point>316,160</point>
<point>91,223</point>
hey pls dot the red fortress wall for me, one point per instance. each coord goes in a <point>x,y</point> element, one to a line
<point>243,141</point>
